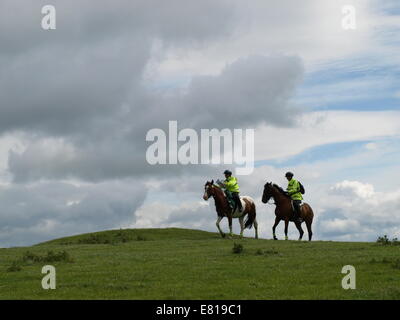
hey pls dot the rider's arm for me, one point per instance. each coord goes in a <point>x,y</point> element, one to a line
<point>230,183</point>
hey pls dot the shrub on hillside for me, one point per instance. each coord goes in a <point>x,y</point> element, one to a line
<point>385,241</point>
<point>51,256</point>
<point>237,248</point>
<point>15,266</point>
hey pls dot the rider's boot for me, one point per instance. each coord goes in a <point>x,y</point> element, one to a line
<point>298,215</point>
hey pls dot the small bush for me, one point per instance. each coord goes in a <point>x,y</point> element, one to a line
<point>396,264</point>
<point>386,260</point>
<point>29,257</point>
<point>259,252</point>
<point>15,266</point>
<point>96,239</point>
<point>121,236</point>
<point>237,248</point>
<point>266,252</point>
<point>395,242</point>
<point>51,256</point>
<point>385,241</point>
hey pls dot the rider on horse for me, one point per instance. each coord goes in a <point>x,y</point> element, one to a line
<point>231,190</point>
<point>293,190</point>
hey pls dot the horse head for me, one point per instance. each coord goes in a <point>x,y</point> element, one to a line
<point>267,193</point>
<point>208,190</point>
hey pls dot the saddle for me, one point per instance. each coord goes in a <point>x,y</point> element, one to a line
<point>231,202</point>
<point>294,211</point>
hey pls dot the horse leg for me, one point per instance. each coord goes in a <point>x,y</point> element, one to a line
<point>298,226</point>
<point>230,226</point>
<point>219,229</point>
<point>255,224</point>
<point>241,226</point>
<point>277,220</point>
<point>308,224</point>
<point>286,228</point>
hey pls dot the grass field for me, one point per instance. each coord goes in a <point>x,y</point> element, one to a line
<point>192,264</point>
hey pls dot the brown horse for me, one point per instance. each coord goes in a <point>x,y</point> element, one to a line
<point>224,210</point>
<point>284,210</point>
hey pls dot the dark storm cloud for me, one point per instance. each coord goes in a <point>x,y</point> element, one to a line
<point>248,92</point>
<point>77,96</point>
<point>59,81</point>
<point>51,209</point>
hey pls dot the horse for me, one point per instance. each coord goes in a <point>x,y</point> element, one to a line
<point>224,210</point>
<point>284,210</point>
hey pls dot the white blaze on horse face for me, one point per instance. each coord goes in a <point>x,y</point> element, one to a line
<point>205,196</point>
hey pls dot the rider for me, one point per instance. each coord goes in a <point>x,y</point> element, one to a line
<point>293,190</point>
<point>232,189</point>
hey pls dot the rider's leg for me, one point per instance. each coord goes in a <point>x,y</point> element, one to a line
<point>296,204</point>
<point>236,197</point>
<point>229,197</point>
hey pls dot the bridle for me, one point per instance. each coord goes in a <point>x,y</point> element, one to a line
<point>268,201</point>
<point>210,194</point>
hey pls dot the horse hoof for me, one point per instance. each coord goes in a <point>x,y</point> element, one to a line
<point>223,235</point>
<point>275,238</point>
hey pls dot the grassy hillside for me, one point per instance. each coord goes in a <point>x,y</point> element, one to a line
<point>191,264</point>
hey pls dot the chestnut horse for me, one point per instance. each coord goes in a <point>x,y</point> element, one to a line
<point>224,210</point>
<point>284,210</point>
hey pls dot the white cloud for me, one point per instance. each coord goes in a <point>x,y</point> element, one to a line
<point>319,128</point>
<point>362,190</point>
<point>339,226</point>
<point>110,65</point>
<point>313,31</point>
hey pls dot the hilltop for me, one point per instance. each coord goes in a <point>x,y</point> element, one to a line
<point>193,264</point>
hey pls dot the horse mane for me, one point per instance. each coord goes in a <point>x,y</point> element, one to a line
<point>280,189</point>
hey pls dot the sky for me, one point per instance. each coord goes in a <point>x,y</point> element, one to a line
<point>76,103</point>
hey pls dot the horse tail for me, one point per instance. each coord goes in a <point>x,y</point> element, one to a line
<point>251,215</point>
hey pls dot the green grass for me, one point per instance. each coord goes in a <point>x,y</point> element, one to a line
<point>191,264</point>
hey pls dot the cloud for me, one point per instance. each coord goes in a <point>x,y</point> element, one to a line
<point>62,81</point>
<point>324,127</point>
<point>360,212</point>
<point>355,188</point>
<point>247,92</point>
<point>42,211</point>
<point>76,104</point>
<point>338,227</point>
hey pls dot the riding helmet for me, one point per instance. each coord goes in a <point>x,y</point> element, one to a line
<point>289,174</point>
<point>228,172</point>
